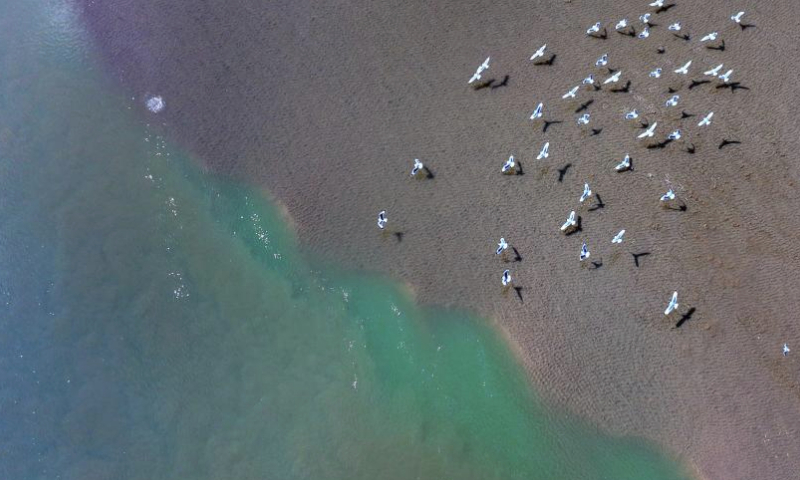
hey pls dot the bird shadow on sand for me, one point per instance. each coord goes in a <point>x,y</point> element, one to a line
<point>502,83</point>
<point>628,33</point>
<point>686,115</point>
<point>399,236</point>
<point>548,62</point>
<point>733,86</point>
<point>685,317</point>
<point>676,205</point>
<point>665,8</point>
<point>584,106</point>
<point>519,170</point>
<point>596,132</point>
<point>517,256</point>
<point>697,83</point>
<point>596,264</point>
<point>637,256</point>
<point>598,203</point>
<point>624,89</point>
<point>547,124</point>
<point>745,26</point>
<point>484,84</point>
<point>659,144</point>
<point>724,143</point>
<point>690,149</point>
<point>563,171</point>
<point>428,173</point>
<point>685,36</point>
<point>602,36</point>
<point>720,47</point>
<point>518,291</point>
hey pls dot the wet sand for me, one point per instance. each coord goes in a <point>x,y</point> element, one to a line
<point>326,105</point>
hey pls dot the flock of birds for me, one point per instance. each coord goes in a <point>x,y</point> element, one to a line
<point>510,167</point>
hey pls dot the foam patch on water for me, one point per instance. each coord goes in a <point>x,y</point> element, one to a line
<point>155,104</point>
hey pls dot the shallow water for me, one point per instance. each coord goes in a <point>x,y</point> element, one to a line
<point>158,322</point>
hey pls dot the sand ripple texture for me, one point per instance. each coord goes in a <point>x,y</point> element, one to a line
<point>326,104</point>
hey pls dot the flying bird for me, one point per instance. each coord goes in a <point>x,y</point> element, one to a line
<point>613,78</point>
<point>673,304</point>
<point>670,195</point>
<point>481,68</point>
<point>509,165</point>
<point>675,27</point>
<point>586,192</point>
<point>621,24</point>
<point>583,119</point>
<point>673,101</point>
<point>645,18</point>
<point>584,252</point>
<point>657,3</point>
<point>571,222</point>
<point>644,33</point>
<point>506,278</point>
<point>655,73</point>
<point>618,237</point>
<point>684,70</point>
<point>786,350</point>
<point>706,120</point>
<point>417,167</point>
<point>382,220</point>
<point>501,246</point>
<point>537,113</point>
<point>593,29</point>
<point>714,71</point>
<point>602,61</point>
<point>571,93</point>
<point>710,37</point>
<point>738,17</point>
<point>539,53</point>
<point>726,77</point>
<point>676,135</point>
<point>631,115</point>
<point>625,164</point>
<point>588,80</point>
<point>649,132</point>
<point>545,152</point>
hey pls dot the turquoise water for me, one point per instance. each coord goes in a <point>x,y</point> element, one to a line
<point>157,322</point>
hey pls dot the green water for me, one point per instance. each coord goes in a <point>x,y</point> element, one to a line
<point>159,323</point>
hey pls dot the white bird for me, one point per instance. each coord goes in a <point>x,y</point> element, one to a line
<point>537,113</point>
<point>571,222</point>
<point>786,350</point>
<point>676,135</point>
<point>417,167</point>
<point>644,33</point>
<point>645,18</point>
<point>675,27</point>
<point>625,164</point>
<point>649,132</point>
<point>586,192</point>
<point>726,77</point>
<point>584,252</point>
<point>684,69</point>
<point>506,278</point>
<point>588,80</point>
<point>382,220</point>
<point>583,119</point>
<point>621,24</point>
<point>593,29</point>
<point>670,195</point>
<point>738,17</point>
<point>545,152</point>
<point>633,114</point>
<point>481,68</point>
<point>602,61</point>
<point>673,304</point>
<point>618,237</point>
<point>706,120</point>
<point>509,165</point>
<point>657,3</point>
<point>673,101</point>
<point>613,78</point>
<point>655,73</point>
<point>539,53</point>
<point>710,37</point>
<point>501,246</point>
<point>571,93</point>
<point>714,71</point>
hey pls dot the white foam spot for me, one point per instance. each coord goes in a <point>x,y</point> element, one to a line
<point>155,104</point>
